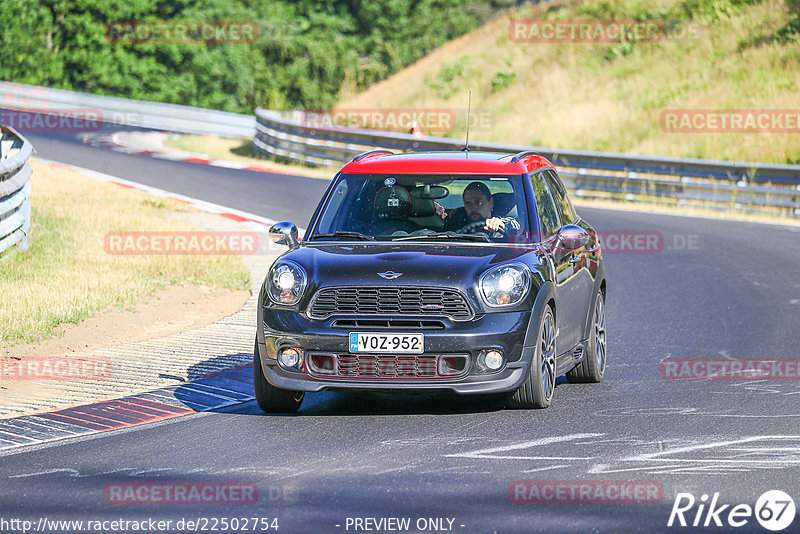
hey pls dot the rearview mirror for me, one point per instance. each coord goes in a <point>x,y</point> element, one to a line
<point>428,191</point>
<point>572,237</point>
<point>284,233</point>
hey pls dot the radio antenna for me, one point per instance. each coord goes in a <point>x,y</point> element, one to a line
<point>469,108</point>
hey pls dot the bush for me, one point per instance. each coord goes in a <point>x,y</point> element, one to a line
<point>502,80</point>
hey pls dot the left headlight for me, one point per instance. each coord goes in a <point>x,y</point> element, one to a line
<point>286,283</point>
<point>505,285</point>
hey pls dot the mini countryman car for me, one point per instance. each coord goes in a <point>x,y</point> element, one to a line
<point>467,272</point>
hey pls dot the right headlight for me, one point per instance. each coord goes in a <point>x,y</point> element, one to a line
<point>505,285</point>
<point>286,283</point>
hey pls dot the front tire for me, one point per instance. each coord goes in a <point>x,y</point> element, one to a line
<point>593,366</point>
<point>537,391</point>
<point>269,398</point>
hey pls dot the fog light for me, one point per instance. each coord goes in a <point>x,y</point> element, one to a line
<point>289,357</point>
<point>493,360</point>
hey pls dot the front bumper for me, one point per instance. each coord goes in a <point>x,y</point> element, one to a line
<point>504,331</point>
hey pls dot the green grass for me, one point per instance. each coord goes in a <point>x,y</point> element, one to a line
<point>66,275</point>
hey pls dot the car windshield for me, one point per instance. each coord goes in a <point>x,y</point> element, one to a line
<point>424,207</point>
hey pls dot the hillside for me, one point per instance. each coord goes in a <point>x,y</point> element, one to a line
<point>726,54</point>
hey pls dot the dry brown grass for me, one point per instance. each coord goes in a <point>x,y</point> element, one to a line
<point>570,95</point>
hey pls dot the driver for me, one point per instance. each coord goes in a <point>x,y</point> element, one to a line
<point>479,206</point>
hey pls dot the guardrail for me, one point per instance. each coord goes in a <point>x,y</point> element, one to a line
<point>758,187</point>
<point>723,184</point>
<point>15,190</point>
<point>114,110</point>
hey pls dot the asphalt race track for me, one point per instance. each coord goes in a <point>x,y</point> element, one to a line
<point>714,289</point>
<point>283,197</point>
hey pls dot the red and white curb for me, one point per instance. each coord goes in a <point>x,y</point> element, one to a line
<point>257,222</point>
<point>110,141</point>
<point>215,391</point>
<point>221,388</point>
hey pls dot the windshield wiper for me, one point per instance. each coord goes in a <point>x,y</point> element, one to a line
<point>340,233</point>
<point>449,235</point>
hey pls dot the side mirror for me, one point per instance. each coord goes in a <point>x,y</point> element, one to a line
<point>284,233</point>
<point>572,237</point>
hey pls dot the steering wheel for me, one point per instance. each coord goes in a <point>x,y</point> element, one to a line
<point>472,227</point>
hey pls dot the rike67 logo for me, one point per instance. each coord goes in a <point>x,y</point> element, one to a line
<point>774,510</point>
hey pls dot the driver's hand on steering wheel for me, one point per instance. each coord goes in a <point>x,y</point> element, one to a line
<point>494,224</point>
<point>440,211</point>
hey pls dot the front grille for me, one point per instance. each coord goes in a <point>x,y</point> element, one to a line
<point>374,366</point>
<point>389,301</point>
<point>387,366</point>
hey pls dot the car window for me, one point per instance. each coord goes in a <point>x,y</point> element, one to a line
<point>548,215</point>
<point>456,188</point>
<point>334,204</point>
<point>565,210</point>
<point>390,206</point>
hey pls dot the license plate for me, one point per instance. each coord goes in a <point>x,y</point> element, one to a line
<point>386,343</point>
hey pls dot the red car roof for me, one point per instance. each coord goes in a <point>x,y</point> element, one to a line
<point>445,163</point>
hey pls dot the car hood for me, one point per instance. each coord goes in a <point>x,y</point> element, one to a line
<point>420,264</point>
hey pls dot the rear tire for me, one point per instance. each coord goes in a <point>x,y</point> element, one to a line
<point>593,366</point>
<point>269,398</point>
<point>537,391</point>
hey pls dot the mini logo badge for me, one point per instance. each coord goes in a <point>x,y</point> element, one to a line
<point>390,275</point>
<point>389,181</point>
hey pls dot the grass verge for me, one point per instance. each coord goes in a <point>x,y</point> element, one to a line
<point>66,275</point>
